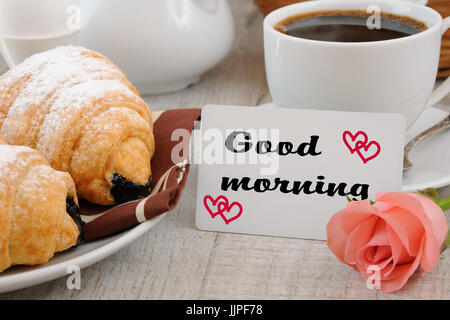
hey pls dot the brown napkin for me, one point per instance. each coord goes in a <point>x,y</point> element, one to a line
<point>168,179</point>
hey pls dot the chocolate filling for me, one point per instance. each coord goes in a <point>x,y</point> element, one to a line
<point>124,190</point>
<point>74,211</point>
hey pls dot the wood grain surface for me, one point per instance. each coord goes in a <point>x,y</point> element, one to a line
<point>176,261</point>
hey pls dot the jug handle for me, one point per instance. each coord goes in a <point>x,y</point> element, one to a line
<point>5,53</point>
<point>208,6</point>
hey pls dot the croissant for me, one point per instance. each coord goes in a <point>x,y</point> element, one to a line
<point>37,204</point>
<point>80,111</point>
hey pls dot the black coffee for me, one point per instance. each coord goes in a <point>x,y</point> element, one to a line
<point>348,26</point>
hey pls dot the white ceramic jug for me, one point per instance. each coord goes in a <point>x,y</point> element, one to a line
<point>161,45</point>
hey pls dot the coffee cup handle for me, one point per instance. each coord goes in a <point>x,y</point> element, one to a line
<point>444,89</point>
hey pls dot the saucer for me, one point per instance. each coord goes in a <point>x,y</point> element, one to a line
<point>430,158</point>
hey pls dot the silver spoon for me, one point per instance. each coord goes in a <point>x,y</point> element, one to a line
<point>441,126</point>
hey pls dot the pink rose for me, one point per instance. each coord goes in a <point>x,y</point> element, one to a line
<point>397,234</point>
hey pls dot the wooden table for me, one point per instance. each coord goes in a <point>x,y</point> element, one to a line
<point>177,261</point>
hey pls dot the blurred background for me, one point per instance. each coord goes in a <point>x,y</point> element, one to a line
<point>162,46</point>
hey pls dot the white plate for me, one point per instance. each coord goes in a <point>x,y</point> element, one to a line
<point>431,158</point>
<point>431,169</point>
<point>21,276</point>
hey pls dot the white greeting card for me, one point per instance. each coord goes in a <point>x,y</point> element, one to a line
<point>285,172</point>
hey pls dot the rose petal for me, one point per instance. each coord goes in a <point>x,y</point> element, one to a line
<point>342,224</point>
<point>401,274</point>
<point>382,253</point>
<point>411,226</point>
<point>358,238</point>
<point>378,239</point>
<point>387,270</point>
<point>399,253</point>
<point>437,217</point>
<point>393,223</point>
<point>415,205</point>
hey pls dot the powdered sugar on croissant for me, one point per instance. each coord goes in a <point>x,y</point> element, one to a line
<point>34,222</point>
<point>86,118</point>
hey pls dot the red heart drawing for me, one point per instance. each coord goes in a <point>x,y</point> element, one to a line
<point>214,202</point>
<point>225,207</point>
<point>366,152</point>
<point>351,140</point>
<point>359,142</point>
<point>220,206</point>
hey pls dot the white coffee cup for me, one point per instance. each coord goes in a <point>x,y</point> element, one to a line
<point>395,76</point>
<point>29,26</point>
